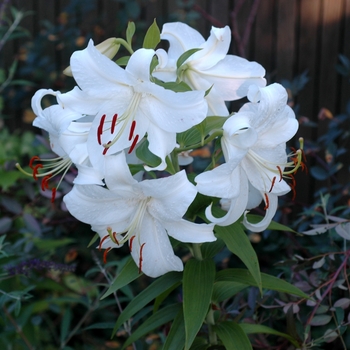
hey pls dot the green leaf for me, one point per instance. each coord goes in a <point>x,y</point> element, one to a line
<point>200,343</point>
<point>176,337</point>
<point>210,249</point>
<point>257,328</point>
<point>159,318</point>
<point>273,225</point>
<point>9,178</point>
<point>267,281</point>
<point>65,325</point>
<point>233,336</point>
<point>152,37</point>
<point>185,56</point>
<point>93,240</point>
<point>238,243</point>
<point>160,298</point>
<point>49,244</point>
<point>142,299</point>
<point>128,274</point>
<point>198,280</point>
<point>122,61</point>
<point>144,154</point>
<point>130,31</point>
<point>226,289</point>
<point>172,85</point>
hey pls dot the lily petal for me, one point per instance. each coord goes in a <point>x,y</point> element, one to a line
<point>152,251</point>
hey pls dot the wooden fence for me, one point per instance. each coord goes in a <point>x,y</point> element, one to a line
<point>288,37</point>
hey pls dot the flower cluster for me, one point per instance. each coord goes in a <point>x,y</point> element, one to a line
<point>120,126</point>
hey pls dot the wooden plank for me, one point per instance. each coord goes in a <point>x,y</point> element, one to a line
<point>345,50</point>
<point>286,33</point>
<point>219,11</point>
<point>264,38</point>
<point>328,87</point>
<point>155,9</point>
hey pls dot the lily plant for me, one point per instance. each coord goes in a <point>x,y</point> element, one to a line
<point>131,127</point>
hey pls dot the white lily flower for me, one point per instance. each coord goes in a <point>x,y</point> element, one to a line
<point>142,213</point>
<point>68,133</point>
<point>254,146</point>
<point>227,76</point>
<point>129,105</point>
<point>108,47</point>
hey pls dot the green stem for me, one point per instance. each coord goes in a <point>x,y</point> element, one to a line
<point>213,340</point>
<point>175,161</point>
<point>196,250</point>
<point>210,138</point>
<point>125,44</point>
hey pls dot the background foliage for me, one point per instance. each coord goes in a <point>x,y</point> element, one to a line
<point>57,293</point>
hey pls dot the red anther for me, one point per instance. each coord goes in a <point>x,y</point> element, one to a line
<point>266,201</point>
<point>140,260</point>
<point>133,144</point>
<point>132,129</point>
<point>106,148</point>
<point>101,242</point>
<point>33,159</point>
<point>100,129</point>
<point>281,173</point>
<point>99,136</point>
<point>53,194</point>
<point>130,242</point>
<point>35,170</point>
<point>44,182</point>
<point>105,255</point>
<point>114,123</point>
<point>273,183</point>
<point>115,237</point>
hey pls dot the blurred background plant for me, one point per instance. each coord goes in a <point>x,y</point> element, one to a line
<point>51,284</point>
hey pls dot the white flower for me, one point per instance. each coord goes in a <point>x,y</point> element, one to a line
<point>68,134</point>
<point>128,104</point>
<point>142,213</point>
<point>254,146</point>
<point>228,76</point>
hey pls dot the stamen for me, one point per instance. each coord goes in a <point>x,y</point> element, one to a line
<point>132,129</point>
<point>272,184</point>
<point>140,260</point>
<point>281,173</point>
<point>100,129</point>
<point>130,242</point>
<point>106,148</point>
<point>44,182</point>
<point>33,159</point>
<point>133,144</point>
<point>112,235</point>
<point>105,255</point>
<point>53,194</point>
<point>101,242</point>
<point>266,201</point>
<point>35,171</point>
<point>115,237</point>
<point>114,123</point>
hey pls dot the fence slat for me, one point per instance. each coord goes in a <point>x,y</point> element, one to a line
<point>285,50</point>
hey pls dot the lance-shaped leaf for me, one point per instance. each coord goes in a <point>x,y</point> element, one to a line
<point>238,243</point>
<point>152,37</point>
<point>159,318</point>
<point>151,292</point>
<point>233,336</point>
<point>198,283</point>
<point>176,336</point>
<point>128,274</point>
<point>258,328</point>
<point>268,282</point>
